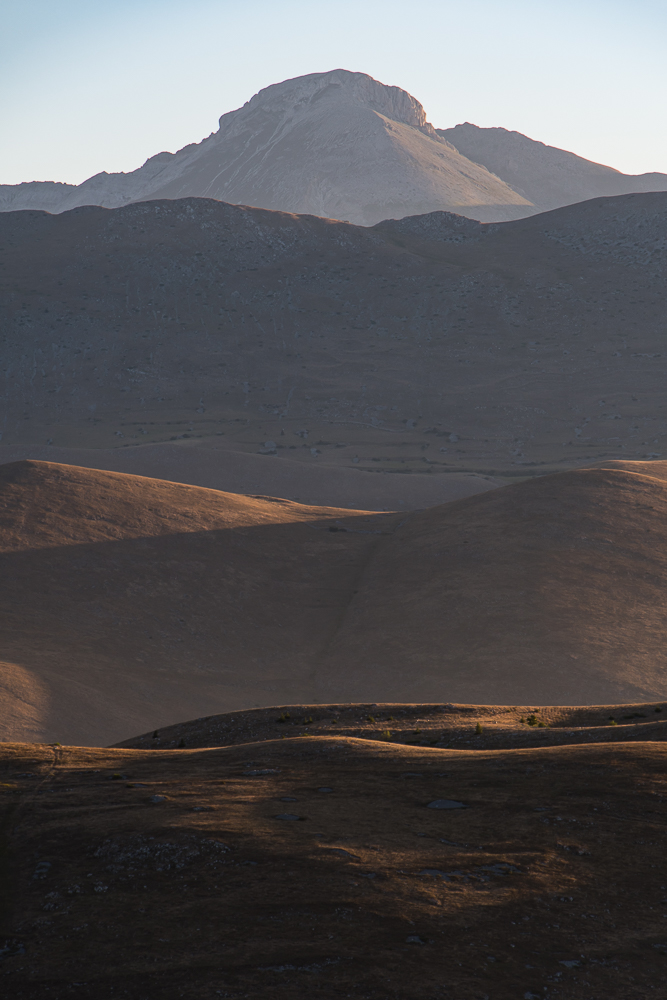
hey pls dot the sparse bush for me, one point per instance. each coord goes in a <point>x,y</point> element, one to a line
<point>284,717</point>
<point>531,720</point>
<point>370,718</point>
<point>307,722</point>
<point>542,725</point>
<point>385,734</point>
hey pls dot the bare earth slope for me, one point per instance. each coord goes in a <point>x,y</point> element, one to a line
<point>432,343</point>
<point>129,603</point>
<point>338,144</point>
<point>547,176</point>
<point>180,878</point>
<point>549,590</point>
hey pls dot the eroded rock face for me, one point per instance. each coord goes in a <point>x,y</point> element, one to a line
<point>339,145</point>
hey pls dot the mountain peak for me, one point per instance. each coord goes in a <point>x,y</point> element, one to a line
<point>296,94</point>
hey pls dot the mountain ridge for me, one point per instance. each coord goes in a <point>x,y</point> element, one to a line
<point>338,145</point>
<point>547,176</point>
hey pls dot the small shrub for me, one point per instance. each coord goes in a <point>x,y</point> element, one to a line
<point>531,720</point>
<point>307,722</point>
<point>370,718</point>
<point>657,710</point>
<point>522,720</point>
<point>181,743</point>
<point>479,729</point>
<point>613,722</point>
<point>417,732</point>
<point>284,717</point>
<point>390,718</point>
<point>542,725</point>
<point>155,734</point>
<point>385,734</point>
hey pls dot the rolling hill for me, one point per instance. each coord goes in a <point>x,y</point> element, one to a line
<point>130,604</point>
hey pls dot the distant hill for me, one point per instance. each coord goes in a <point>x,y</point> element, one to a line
<point>433,344</point>
<point>545,175</point>
<point>338,145</point>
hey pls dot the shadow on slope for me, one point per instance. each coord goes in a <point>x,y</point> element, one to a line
<point>137,603</point>
<point>314,867</point>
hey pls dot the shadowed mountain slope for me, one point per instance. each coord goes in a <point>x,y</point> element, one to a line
<point>130,603</point>
<point>338,144</point>
<point>545,175</point>
<point>431,343</point>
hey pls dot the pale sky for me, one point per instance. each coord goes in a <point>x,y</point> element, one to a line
<point>91,85</point>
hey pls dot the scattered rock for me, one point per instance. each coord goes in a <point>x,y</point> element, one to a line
<point>325,789</point>
<point>290,816</point>
<point>446,804</point>
<point>414,939</point>
<point>11,947</point>
<point>42,869</point>
<point>158,798</point>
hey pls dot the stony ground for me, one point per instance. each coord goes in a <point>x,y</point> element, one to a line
<point>330,866</point>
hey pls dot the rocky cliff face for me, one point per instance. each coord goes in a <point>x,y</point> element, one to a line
<point>338,145</point>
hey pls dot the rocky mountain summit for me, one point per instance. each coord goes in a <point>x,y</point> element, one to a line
<point>338,145</point>
<point>342,145</point>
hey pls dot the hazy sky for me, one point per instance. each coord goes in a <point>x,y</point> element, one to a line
<point>90,85</point>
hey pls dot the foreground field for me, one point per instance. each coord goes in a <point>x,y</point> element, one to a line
<point>314,867</point>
